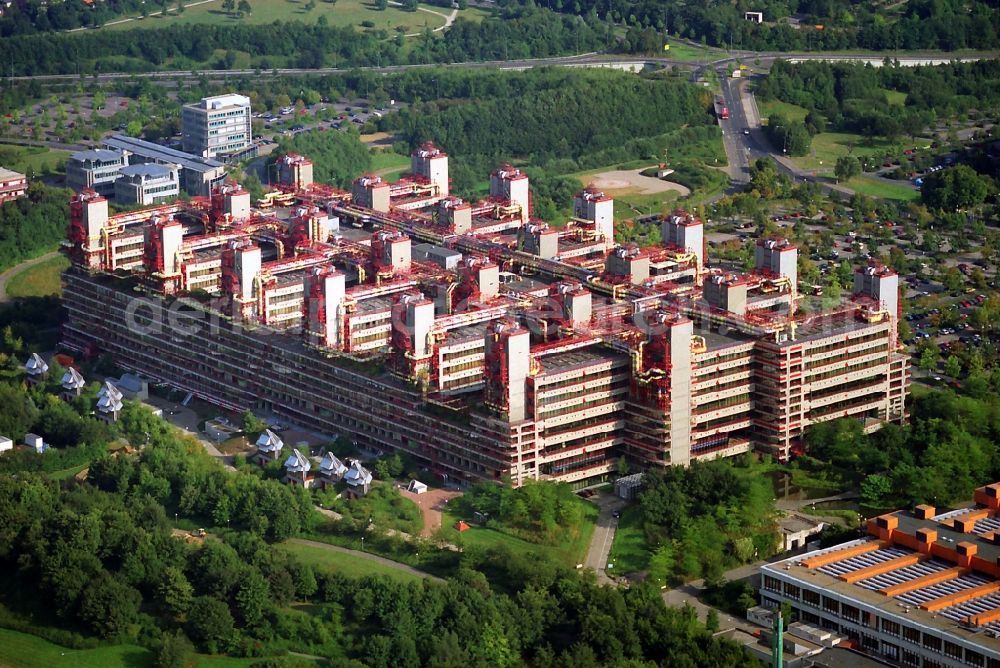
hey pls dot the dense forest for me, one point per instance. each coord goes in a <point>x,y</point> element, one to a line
<point>948,449</point>
<point>33,224</point>
<point>90,559</point>
<point>821,24</point>
<point>337,157</point>
<point>852,97</point>
<point>706,518</point>
<point>33,17</point>
<point>564,121</point>
<point>513,33</point>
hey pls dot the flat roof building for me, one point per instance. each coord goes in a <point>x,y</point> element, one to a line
<point>147,184</point>
<point>198,175</point>
<point>217,127</point>
<point>12,185</point>
<point>96,169</point>
<point>551,370</point>
<point>921,589</point>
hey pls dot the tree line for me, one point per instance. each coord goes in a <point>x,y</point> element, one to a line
<point>947,450</point>
<point>337,156</point>
<point>99,557</point>
<point>852,97</point>
<point>827,25</point>
<point>705,518</point>
<point>33,224</point>
<point>513,33</point>
<point>564,120</point>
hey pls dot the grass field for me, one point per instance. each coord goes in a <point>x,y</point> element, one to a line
<point>629,552</point>
<point>385,507</point>
<point>569,552</point>
<point>20,650</point>
<point>341,13</point>
<point>828,146</point>
<point>681,51</point>
<point>66,474</point>
<point>790,111</point>
<point>389,164</point>
<point>874,188</point>
<point>36,158</point>
<point>632,206</point>
<point>346,564</point>
<point>895,97</point>
<point>38,281</point>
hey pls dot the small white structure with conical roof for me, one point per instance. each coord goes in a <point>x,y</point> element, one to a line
<point>358,478</point>
<point>72,384</point>
<point>297,469</point>
<point>331,469</point>
<point>269,447</point>
<point>109,402</point>
<point>36,368</point>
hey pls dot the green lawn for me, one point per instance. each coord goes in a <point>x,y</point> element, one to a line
<point>633,206</point>
<point>341,13</point>
<point>629,551</point>
<point>873,188</point>
<point>20,650</point>
<point>895,97</point>
<point>36,158</point>
<point>66,474</point>
<point>828,146</point>
<point>682,51</point>
<point>385,507</point>
<point>570,551</point>
<point>346,564</point>
<point>790,111</point>
<point>38,281</point>
<point>389,164</point>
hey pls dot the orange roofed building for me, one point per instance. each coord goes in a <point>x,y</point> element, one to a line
<point>921,589</point>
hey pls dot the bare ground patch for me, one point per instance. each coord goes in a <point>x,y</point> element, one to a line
<point>632,182</point>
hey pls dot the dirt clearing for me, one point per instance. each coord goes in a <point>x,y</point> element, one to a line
<point>631,182</point>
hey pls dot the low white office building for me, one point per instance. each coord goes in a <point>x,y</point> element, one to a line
<point>147,184</point>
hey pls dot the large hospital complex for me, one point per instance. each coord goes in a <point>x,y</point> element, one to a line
<point>481,341</point>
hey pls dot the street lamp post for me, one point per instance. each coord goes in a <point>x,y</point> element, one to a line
<point>362,543</point>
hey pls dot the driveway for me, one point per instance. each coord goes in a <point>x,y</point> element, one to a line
<point>604,535</point>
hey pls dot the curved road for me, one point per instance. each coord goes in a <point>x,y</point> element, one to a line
<point>17,269</point>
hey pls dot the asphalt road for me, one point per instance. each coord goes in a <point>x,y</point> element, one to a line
<point>604,535</point>
<point>584,59</point>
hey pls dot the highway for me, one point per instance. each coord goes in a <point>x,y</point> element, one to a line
<point>741,148</point>
<point>582,60</point>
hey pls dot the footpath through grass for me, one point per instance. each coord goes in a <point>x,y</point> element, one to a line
<point>40,280</point>
<point>342,13</point>
<point>389,164</point>
<point>345,564</point>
